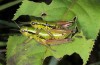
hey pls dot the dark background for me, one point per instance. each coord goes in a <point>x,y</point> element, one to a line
<point>8,13</point>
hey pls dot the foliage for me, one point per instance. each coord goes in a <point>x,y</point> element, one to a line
<point>34,53</point>
<point>86,11</point>
<point>88,24</point>
<point>0,64</point>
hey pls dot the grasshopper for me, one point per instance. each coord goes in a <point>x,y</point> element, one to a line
<point>47,34</point>
<point>60,36</point>
<point>43,37</point>
<point>42,25</point>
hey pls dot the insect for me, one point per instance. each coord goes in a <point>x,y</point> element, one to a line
<point>43,37</point>
<point>42,25</point>
<point>60,36</point>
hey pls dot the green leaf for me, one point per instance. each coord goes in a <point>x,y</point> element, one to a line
<point>0,64</point>
<point>20,54</point>
<point>80,45</point>
<point>54,11</point>
<point>34,53</point>
<point>87,12</point>
<point>88,15</point>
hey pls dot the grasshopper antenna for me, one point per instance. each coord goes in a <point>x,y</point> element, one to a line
<point>17,24</point>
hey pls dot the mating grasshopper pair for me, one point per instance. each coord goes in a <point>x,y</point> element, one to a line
<point>49,34</point>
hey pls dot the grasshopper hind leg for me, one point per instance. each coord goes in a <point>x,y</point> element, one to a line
<point>42,41</point>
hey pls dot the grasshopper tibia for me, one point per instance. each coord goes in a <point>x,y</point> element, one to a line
<point>59,41</point>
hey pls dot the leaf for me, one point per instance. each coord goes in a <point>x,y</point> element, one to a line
<point>87,12</point>
<point>34,53</point>
<point>88,15</point>
<point>0,64</point>
<point>80,45</point>
<point>20,54</point>
<point>54,11</point>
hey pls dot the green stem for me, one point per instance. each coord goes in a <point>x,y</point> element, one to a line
<point>2,7</point>
<point>8,24</point>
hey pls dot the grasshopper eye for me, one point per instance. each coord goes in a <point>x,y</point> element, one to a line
<point>33,23</point>
<point>24,31</point>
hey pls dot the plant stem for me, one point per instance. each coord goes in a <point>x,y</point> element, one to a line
<point>2,7</point>
<point>8,24</point>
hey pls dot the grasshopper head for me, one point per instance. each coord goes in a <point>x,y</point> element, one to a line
<point>24,31</point>
<point>34,22</point>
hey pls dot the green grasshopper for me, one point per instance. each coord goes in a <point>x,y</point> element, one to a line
<point>44,38</point>
<point>47,34</point>
<point>42,25</point>
<point>60,36</point>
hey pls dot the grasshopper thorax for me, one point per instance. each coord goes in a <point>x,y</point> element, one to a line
<point>27,31</point>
